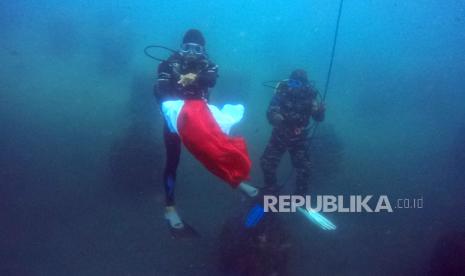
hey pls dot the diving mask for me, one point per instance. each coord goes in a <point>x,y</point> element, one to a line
<point>293,83</point>
<point>192,49</point>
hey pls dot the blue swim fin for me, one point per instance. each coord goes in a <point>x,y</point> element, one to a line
<point>257,212</point>
<point>254,216</point>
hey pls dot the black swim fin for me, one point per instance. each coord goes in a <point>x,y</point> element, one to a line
<point>184,233</point>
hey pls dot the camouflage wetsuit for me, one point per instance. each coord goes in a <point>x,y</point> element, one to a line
<point>296,106</point>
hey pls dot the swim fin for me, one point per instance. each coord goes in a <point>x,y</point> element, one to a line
<point>257,212</point>
<point>317,218</point>
<point>254,216</point>
<point>186,232</point>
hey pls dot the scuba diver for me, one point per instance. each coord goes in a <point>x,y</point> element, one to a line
<point>290,111</point>
<point>182,91</point>
<point>186,74</point>
<point>291,108</point>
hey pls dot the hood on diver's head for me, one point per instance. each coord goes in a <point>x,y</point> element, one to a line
<point>300,75</point>
<point>193,45</point>
<point>194,36</point>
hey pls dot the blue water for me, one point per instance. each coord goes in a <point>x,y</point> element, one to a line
<point>82,151</point>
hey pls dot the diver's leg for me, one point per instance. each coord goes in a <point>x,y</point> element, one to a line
<point>301,163</point>
<point>270,160</point>
<point>173,153</point>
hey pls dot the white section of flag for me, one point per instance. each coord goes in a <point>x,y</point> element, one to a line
<point>228,116</point>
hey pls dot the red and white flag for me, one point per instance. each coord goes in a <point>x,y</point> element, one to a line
<point>204,130</point>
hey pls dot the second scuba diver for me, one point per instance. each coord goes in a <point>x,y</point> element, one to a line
<point>290,111</point>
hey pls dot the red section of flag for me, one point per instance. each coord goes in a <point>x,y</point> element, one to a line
<point>224,156</point>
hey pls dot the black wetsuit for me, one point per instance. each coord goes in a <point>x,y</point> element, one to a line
<point>167,88</point>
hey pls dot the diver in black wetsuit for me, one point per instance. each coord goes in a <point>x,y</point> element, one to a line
<point>186,74</point>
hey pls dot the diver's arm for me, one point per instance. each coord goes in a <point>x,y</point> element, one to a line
<point>163,88</point>
<point>318,111</point>
<point>207,77</point>
<point>273,113</point>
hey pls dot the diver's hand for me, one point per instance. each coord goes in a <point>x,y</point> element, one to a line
<point>315,107</point>
<point>318,107</point>
<point>277,118</point>
<point>319,114</point>
<point>298,130</point>
<point>187,79</point>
